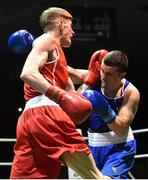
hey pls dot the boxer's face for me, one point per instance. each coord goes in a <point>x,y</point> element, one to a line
<point>110,77</point>
<point>66,33</point>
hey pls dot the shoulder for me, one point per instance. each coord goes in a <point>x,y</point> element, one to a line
<point>45,42</point>
<point>132,93</point>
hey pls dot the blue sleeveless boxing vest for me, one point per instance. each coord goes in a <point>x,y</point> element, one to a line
<point>96,123</point>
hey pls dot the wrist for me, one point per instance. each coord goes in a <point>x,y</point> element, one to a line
<point>83,88</point>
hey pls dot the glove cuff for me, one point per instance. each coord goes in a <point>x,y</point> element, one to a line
<point>54,93</point>
<point>109,116</point>
<point>83,88</point>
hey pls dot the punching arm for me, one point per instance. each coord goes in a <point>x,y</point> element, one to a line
<point>77,75</point>
<point>92,78</point>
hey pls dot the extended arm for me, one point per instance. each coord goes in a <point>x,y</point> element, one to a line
<point>91,77</point>
<point>77,75</point>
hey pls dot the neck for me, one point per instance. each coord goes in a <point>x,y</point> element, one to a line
<point>55,35</point>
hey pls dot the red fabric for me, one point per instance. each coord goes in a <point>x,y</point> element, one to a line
<point>93,76</point>
<point>55,72</point>
<point>43,135</point>
<point>76,106</point>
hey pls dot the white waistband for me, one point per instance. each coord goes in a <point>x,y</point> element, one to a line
<point>108,138</point>
<point>40,100</point>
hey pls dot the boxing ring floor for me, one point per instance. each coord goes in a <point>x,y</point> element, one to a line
<point>70,173</point>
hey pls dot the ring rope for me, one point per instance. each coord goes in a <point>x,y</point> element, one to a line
<point>86,138</point>
<point>7,140</point>
<point>6,164</point>
<point>141,156</point>
<point>140,131</point>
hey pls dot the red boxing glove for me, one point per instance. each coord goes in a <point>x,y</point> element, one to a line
<point>76,106</point>
<point>93,76</point>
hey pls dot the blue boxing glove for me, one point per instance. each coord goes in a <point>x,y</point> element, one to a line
<point>20,41</point>
<point>100,105</point>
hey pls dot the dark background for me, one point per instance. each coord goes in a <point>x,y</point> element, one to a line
<point>98,24</point>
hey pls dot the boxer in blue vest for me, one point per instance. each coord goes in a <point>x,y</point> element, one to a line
<point>115,105</point>
<point>115,102</point>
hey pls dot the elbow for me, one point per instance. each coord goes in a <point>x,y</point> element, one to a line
<point>22,76</point>
<point>120,129</point>
<point>25,76</point>
<point>120,126</point>
<point>121,132</point>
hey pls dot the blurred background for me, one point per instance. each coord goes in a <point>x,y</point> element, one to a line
<point>98,24</point>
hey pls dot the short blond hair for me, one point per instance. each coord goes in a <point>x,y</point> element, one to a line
<point>49,15</point>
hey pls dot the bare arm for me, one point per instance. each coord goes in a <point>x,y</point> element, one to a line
<point>35,60</point>
<point>126,112</point>
<point>77,75</point>
<point>70,85</point>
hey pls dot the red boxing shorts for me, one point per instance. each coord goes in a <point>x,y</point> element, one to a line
<point>44,133</point>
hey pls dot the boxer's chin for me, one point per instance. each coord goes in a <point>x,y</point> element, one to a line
<point>66,42</point>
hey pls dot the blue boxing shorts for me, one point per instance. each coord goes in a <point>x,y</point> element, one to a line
<point>114,155</point>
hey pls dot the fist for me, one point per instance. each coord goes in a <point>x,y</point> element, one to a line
<point>93,76</point>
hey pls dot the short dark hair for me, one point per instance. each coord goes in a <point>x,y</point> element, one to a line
<point>117,59</point>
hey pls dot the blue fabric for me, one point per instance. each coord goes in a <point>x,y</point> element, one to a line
<point>115,161</point>
<point>96,123</point>
<point>99,103</point>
